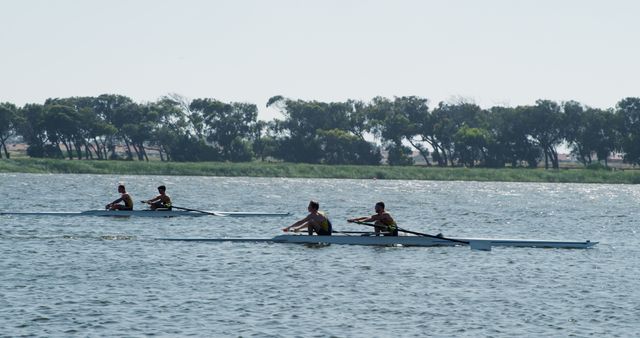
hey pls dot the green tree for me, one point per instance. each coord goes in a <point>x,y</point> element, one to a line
<point>628,121</point>
<point>411,121</point>
<point>264,144</point>
<point>113,109</point>
<point>310,127</point>
<point>590,131</point>
<point>472,145</point>
<point>171,127</point>
<point>341,147</point>
<point>603,129</point>
<point>448,119</point>
<point>32,128</point>
<point>227,126</point>
<point>510,139</point>
<point>61,125</point>
<point>388,120</point>
<point>546,121</point>
<point>89,127</point>
<point>398,154</point>
<point>8,124</point>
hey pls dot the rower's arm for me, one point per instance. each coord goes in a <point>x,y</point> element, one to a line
<point>117,201</point>
<point>149,201</point>
<point>303,226</point>
<point>364,219</point>
<point>298,223</point>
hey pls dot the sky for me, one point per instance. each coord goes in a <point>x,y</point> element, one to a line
<point>491,52</point>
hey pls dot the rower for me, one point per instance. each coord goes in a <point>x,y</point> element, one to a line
<point>162,201</point>
<point>384,223</point>
<point>125,198</point>
<point>316,221</point>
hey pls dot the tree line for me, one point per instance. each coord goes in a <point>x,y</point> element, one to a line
<point>205,129</point>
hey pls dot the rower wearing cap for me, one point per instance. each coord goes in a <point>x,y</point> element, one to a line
<point>316,221</point>
<point>384,223</point>
<point>162,201</point>
<point>125,202</point>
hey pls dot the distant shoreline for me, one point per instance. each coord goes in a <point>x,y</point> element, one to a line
<point>298,170</point>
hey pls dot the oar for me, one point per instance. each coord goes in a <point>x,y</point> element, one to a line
<point>475,245</point>
<point>213,213</point>
<point>196,210</point>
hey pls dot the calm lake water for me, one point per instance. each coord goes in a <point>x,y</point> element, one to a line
<point>91,276</point>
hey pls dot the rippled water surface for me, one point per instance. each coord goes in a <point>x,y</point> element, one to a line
<point>92,276</point>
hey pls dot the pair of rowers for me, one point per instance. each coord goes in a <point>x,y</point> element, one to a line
<point>125,202</point>
<point>318,222</point>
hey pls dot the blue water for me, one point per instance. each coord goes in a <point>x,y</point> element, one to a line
<point>91,276</point>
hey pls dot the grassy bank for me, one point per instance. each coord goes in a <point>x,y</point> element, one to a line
<point>258,169</point>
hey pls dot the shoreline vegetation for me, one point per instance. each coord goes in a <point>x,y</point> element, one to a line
<point>398,131</point>
<point>299,170</point>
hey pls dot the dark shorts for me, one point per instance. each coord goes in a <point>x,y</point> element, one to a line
<point>324,232</point>
<point>321,232</point>
<point>385,231</point>
<point>160,205</point>
<point>392,233</point>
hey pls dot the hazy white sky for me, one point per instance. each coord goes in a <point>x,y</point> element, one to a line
<point>493,52</point>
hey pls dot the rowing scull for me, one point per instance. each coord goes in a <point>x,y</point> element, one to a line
<point>148,213</point>
<point>475,243</point>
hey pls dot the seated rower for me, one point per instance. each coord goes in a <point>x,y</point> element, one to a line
<point>384,223</point>
<point>316,221</point>
<point>162,201</point>
<point>125,198</point>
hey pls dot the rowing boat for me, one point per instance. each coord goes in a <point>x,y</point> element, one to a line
<point>422,241</point>
<point>149,213</point>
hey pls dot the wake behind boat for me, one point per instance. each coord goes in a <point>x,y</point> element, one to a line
<point>149,213</point>
<point>419,241</point>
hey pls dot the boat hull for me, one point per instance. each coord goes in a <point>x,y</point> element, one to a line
<point>148,213</point>
<point>421,241</point>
